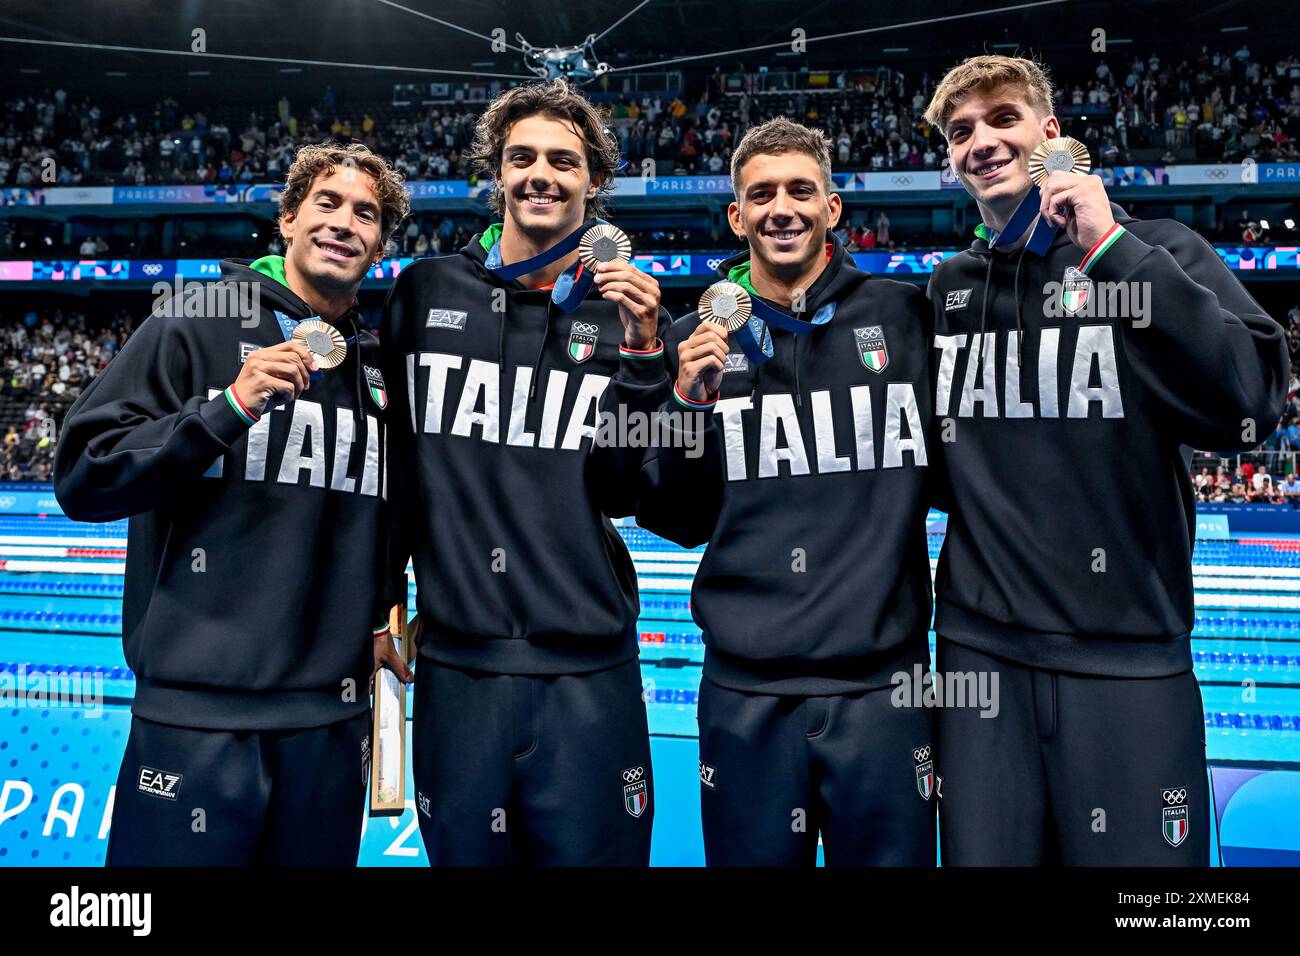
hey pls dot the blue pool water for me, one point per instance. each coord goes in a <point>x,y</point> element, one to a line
<point>60,612</point>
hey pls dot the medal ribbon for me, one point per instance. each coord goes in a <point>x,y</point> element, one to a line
<point>571,287</point>
<point>756,340</point>
<point>1041,239</point>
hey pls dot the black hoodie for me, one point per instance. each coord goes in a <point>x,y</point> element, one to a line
<point>500,497</point>
<point>811,494</point>
<point>1064,467</point>
<point>254,570</point>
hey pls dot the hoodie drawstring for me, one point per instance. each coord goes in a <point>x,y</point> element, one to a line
<point>984,311</point>
<point>1020,328</point>
<point>541,352</point>
<point>356,337</point>
<point>798,395</point>
<point>501,337</point>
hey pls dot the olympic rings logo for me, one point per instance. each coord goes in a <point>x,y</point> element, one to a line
<point>151,268</point>
<point>1175,796</point>
<point>901,181</point>
<point>633,775</point>
<point>921,754</point>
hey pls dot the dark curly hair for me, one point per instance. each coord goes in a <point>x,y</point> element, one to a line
<point>312,160</point>
<point>555,99</point>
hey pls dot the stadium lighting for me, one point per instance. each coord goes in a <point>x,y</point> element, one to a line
<point>1289,223</point>
<point>1263,224</point>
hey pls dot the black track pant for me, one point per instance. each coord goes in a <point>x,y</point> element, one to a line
<point>776,771</point>
<point>1073,770</point>
<point>188,797</point>
<point>522,770</point>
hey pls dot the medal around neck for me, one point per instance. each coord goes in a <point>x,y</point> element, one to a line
<point>726,304</point>
<point>604,243</point>
<point>1063,154</point>
<point>325,342</point>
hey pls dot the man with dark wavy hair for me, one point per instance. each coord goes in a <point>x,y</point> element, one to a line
<point>253,480</point>
<point>530,738</point>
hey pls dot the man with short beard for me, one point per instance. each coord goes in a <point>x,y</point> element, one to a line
<point>530,737</point>
<point>813,594</point>
<point>255,577</point>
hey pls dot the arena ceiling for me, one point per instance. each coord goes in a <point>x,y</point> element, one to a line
<point>401,33</point>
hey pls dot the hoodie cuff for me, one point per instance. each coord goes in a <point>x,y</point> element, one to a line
<point>226,417</point>
<point>684,402</point>
<point>642,366</point>
<point>1115,255</point>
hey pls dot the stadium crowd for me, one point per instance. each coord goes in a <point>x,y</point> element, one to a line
<point>1223,107</point>
<point>46,359</point>
<point>1219,106</point>
<point>1271,474</point>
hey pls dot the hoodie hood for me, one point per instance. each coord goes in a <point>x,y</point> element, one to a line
<point>840,277</point>
<point>268,272</point>
<point>984,234</point>
<point>480,244</point>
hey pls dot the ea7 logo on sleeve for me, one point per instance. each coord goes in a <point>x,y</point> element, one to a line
<point>159,783</point>
<point>452,319</point>
<point>425,804</point>
<point>582,341</point>
<point>956,299</point>
<point>1174,820</point>
<point>636,797</point>
<point>924,771</point>
<point>245,350</point>
<point>871,347</point>
<point>706,775</point>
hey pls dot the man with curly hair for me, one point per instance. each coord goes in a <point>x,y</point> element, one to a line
<point>530,736</point>
<point>251,469</point>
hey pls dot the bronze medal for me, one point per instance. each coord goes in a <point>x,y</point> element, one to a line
<point>325,342</point>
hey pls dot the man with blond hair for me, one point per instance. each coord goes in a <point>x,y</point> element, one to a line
<point>1069,370</point>
<point>255,578</point>
<point>813,595</point>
